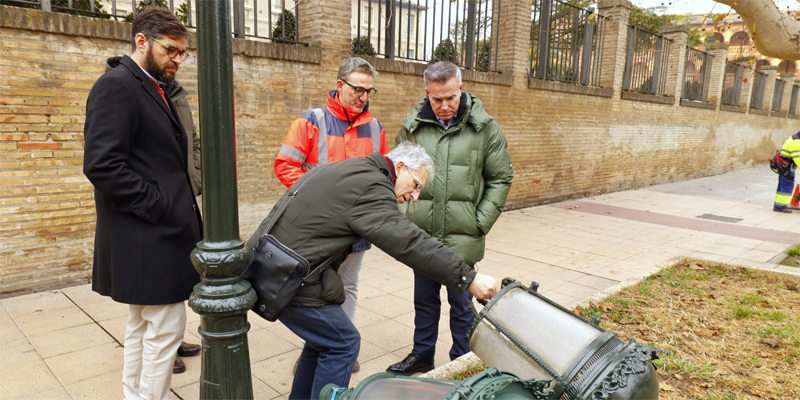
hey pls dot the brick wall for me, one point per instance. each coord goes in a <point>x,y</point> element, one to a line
<point>565,142</point>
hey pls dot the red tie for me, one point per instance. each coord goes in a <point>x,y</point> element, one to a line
<point>161,92</point>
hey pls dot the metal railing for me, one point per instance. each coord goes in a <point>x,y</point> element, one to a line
<point>759,86</point>
<point>464,32</point>
<point>732,83</point>
<point>777,95</point>
<point>566,43</point>
<point>249,20</point>
<point>646,62</point>
<point>697,72</point>
<point>793,101</point>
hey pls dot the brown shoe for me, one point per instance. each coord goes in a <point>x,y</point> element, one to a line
<point>178,366</point>
<point>357,367</point>
<point>188,349</point>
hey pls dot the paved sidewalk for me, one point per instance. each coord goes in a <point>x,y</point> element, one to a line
<point>65,344</point>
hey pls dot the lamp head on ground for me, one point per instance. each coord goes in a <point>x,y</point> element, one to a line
<point>526,333</point>
<point>490,384</point>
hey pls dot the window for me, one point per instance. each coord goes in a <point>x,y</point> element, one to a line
<point>246,30</point>
<point>365,16</point>
<point>410,25</point>
<point>277,4</point>
<point>411,53</point>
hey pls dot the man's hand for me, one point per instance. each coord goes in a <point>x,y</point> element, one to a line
<point>484,287</point>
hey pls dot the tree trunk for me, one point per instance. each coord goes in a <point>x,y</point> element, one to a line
<point>774,33</point>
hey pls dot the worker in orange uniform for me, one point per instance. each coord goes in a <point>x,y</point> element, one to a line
<point>343,129</point>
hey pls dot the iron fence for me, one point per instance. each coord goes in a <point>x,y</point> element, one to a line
<point>248,16</point>
<point>732,83</point>
<point>793,101</point>
<point>696,74</point>
<point>646,62</point>
<point>464,32</point>
<point>566,43</point>
<point>759,86</point>
<point>777,95</point>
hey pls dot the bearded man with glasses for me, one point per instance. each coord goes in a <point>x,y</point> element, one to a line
<point>342,130</point>
<point>137,157</point>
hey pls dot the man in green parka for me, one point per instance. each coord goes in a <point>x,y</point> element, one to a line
<point>459,206</point>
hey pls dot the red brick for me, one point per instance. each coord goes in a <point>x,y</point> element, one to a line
<point>35,146</point>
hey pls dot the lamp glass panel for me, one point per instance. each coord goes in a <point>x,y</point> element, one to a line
<point>550,332</point>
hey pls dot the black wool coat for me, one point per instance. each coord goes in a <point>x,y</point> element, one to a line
<point>147,217</point>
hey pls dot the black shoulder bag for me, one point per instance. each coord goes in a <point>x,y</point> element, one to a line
<point>278,272</point>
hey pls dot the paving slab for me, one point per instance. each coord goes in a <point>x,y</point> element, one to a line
<point>65,344</point>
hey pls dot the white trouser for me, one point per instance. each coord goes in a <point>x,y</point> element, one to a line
<point>349,271</point>
<point>152,337</point>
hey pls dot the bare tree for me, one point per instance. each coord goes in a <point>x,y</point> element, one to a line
<point>775,33</point>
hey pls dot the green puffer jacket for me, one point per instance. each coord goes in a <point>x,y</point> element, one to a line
<point>472,175</point>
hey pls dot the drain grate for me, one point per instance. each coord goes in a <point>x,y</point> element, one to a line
<point>720,218</point>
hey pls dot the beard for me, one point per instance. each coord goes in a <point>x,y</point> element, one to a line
<point>158,73</point>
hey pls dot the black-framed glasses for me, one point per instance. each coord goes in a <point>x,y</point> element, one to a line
<point>172,51</point>
<point>417,182</point>
<point>359,91</point>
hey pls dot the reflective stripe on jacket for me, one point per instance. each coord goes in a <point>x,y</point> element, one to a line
<point>304,147</point>
<point>791,149</point>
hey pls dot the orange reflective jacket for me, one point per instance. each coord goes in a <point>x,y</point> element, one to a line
<point>304,146</point>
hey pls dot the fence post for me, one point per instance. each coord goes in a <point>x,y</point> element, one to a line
<point>391,27</point>
<point>544,39</point>
<point>788,83</point>
<point>514,42</point>
<point>588,39</point>
<point>469,62</point>
<point>238,19</point>
<point>615,43</point>
<point>716,74</point>
<point>630,51</point>
<point>677,60</point>
<point>46,5</point>
<point>769,87</point>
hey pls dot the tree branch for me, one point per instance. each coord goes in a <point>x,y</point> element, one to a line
<point>774,33</point>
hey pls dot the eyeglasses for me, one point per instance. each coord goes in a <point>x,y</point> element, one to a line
<point>359,91</point>
<point>172,52</point>
<point>417,182</point>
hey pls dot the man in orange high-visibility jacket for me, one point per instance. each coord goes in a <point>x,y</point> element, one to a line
<point>344,129</point>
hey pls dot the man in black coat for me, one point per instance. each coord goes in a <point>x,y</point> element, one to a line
<point>147,218</point>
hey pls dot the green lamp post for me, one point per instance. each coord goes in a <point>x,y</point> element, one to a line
<point>222,298</point>
<point>492,384</point>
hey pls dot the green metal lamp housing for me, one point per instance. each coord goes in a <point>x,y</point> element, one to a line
<point>490,384</point>
<point>535,338</point>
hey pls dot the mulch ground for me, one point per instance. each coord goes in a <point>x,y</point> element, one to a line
<point>732,333</point>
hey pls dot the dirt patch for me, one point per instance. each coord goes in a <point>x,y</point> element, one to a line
<point>732,332</point>
<point>791,260</point>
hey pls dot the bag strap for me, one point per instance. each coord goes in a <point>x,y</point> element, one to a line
<point>292,193</point>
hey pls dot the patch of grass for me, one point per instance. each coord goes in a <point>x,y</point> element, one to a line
<point>468,372</point>
<point>742,312</point>
<point>750,300</point>
<point>794,250</point>
<point>674,364</point>
<point>729,396</point>
<point>696,292</point>
<point>790,360</point>
<point>647,290</point>
<point>753,361</point>
<point>776,316</point>
<point>783,333</point>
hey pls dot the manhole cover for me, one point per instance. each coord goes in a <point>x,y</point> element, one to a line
<point>720,218</point>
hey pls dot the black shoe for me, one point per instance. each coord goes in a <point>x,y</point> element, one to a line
<point>410,365</point>
<point>783,210</point>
